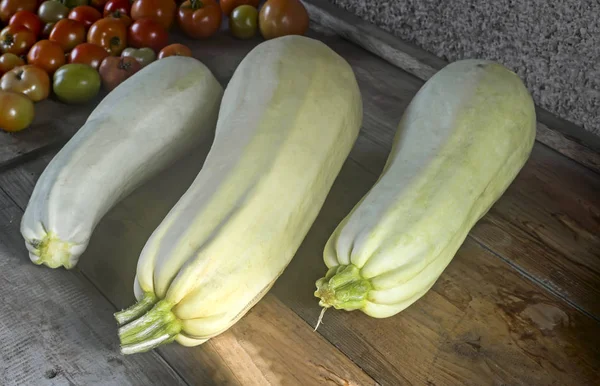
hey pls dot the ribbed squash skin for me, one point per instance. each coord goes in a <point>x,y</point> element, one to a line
<point>460,143</point>
<point>288,119</point>
<point>138,129</point>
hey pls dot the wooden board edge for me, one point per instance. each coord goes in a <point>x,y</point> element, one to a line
<point>564,137</point>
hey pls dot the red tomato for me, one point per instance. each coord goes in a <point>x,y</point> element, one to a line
<point>122,17</point>
<point>47,55</point>
<point>163,11</point>
<point>114,70</point>
<point>175,50</point>
<point>29,20</point>
<point>98,4</point>
<point>9,61</point>
<point>10,7</point>
<point>68,33</point>
<point>16,40</point>
<point>148,33</point>
<point>282,17</point>
<point>88,53</point>
<point>199,19</point>
<point>28,80</point>
<point>122,6</point>
<point>85,14</point>
<point>227,6</point>
<point>16,111</point>
<point>110,34</point>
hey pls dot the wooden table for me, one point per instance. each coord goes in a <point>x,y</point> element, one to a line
<point>519,304</point>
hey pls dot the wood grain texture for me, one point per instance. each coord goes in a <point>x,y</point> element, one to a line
<point>271,345</point>
<point>57,328</point>
<point>568,139</point>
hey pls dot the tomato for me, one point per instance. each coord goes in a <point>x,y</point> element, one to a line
<point>47,55</point>
<point>52,11</point>
<point>144,56</point>
<point>47,30</point>
<point>148,33</point>
<point>28,80</point>
<point>88,53</point>
<point>68,33</point>
<point>98,4</point>
<point>227,6</point>
<point>27,19</point>
<point>16,40</point>
<point>10,7</point>
<point>16,111</point>
<point>122,6</point>
<point>110,34</point>
<point>199,19</point>
<point>76,83</point>
<point>163,11</point>
<point>115,71</point>
<point>243,22</point>
<point>122,17</point>
<point>9,61</point>
<point>282,17</point>
<point>175,50</point>
<point>85,14</point>
<point>74,3</point>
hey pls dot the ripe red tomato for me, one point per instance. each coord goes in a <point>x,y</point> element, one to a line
<point>148,33</point>
<point>98,4</point>
<point>10,7</point>
<point>122,17</point>
<point>85,14</point>
<point>16,40</point>
<point>68,33</point>
<point>16,111</point>
<point>29,20</point>
<point>122,6</point>
<point>88,53</point>
<point>28,80</point>
<point>227,6</point>
<point>282,17</point>
<point>163,11</point>
<point>175,50</point>
<point>47,55</point>
<point>9,61</point>
<point>110,34</point>
<point>199,19</point>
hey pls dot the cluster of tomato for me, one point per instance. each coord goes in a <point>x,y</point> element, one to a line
<point>74,48</point>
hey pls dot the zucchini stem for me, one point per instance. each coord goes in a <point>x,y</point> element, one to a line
<point>138,309</point>
<point>155,327</point>
<point>52,252</point>
<point>343,288</point>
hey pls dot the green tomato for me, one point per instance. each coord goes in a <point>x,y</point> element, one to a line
<point>73,3</point>
<point>52,11</point>
<point>144,56</point>
<point>243,22</point>
<point>76,83</point>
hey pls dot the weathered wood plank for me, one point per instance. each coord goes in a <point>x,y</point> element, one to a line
<point>482,323</point>
<point>56,328</point>
<point>271,345</point>
<point>568,139</point>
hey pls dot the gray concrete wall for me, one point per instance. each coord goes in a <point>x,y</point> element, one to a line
<point>553,45</point>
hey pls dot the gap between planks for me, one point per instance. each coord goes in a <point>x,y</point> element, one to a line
<point>561,136</point>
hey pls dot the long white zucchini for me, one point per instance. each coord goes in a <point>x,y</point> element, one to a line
<point>288,119</point>
<point>460,143</point>
<point>138,129</point>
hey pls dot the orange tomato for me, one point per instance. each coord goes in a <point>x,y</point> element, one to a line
<point>282,17</point>
<point>163,11</point>
<point>10,7</point>
<point>88,53</point>
<point>199,19</point>
<point>122,17</point>
<point>9,61</point>
<point>111,34</point>
<point>16,111</point>
<point>47,55</point>
<point>68,33</point>
<point>16,40</point>
<point>227,6</point>
<point>28,80</point>
<point>175,50</point>
<point>85,14</point>
<point>29,20</point>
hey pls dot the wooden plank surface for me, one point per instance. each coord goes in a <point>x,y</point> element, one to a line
<point>56,328</point>
<point>566,138</point>
<point>492,300</point>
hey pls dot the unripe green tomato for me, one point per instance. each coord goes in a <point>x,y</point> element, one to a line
<point>76,83</point>
<point>243,22</point>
